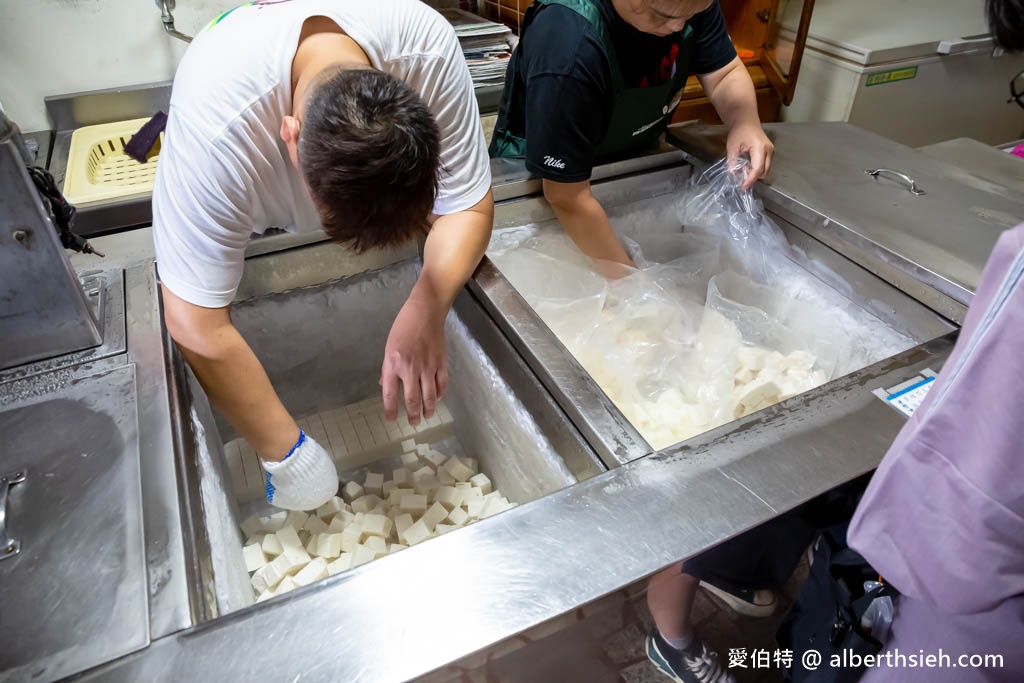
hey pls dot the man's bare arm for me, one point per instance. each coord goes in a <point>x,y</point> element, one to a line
<point>415,351</point>
<point>231,375</point>
<point>585,220</point>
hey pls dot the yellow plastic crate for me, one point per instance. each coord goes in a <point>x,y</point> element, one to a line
<point>99,170</point>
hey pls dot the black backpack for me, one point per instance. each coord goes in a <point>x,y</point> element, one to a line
<point>827,613</point>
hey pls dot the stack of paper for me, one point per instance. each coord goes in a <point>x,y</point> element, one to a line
<point>485,45</point>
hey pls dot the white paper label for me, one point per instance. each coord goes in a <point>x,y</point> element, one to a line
<point>909,399</point>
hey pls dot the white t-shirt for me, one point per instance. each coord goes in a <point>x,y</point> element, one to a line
<point>224,171</point>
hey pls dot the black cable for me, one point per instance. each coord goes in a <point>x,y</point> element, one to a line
<point>62,213</point>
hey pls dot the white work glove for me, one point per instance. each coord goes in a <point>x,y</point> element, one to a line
<point>304,480</point>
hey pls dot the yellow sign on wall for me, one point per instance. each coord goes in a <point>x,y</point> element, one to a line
<point>891,76</point>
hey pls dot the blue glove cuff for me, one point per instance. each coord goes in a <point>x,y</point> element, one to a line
<point>298,444</point>
<point>270,486</point>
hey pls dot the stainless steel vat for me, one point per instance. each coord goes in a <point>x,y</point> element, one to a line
<point>322,347</point>
<point>653,197</point>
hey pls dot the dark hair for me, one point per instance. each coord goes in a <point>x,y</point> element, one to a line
<point>1006,22</point>
<point>369,151</point>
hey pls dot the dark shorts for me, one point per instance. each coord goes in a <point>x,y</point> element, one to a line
<point>765,556</point>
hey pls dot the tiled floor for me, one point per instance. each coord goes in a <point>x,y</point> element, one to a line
<point>604,643</point>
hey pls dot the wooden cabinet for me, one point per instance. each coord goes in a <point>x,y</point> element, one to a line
<point>771,52</point>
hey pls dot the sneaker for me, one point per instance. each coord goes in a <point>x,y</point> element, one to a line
<point>700,665</point>
<point>746,601</point>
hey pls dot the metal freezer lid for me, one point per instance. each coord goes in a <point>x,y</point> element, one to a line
<point>941,238</point>
<point>872,32</point>
<point>979,163</point>
<point>75,595</point>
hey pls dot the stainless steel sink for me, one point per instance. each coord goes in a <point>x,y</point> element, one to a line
<point>322,347</point>
<point>645,207</point>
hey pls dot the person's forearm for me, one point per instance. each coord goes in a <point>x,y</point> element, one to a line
<point>239,387</point>
<point>586,222</point>
<point>453,249</point>
<point>732,95</point>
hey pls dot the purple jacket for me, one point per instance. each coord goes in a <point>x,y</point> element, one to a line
<point>943,517</point>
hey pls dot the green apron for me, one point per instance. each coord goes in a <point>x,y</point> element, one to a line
<point>638,114</point>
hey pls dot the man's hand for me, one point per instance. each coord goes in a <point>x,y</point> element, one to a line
<point>613,270</point>
<point>732,93</point>
<point>415,356</point>
<point>304,480</point>
<point>750,139</point>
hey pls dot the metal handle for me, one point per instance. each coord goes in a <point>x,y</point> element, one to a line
<point>969,44</point>
<point>9,547</point>
<point>914,189</point>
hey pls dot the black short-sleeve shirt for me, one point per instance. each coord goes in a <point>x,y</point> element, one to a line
<point>562,104</point>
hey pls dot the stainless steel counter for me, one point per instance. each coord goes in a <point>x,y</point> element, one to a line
<point>980,164</point>
<point>407,614</point>
<point>78,517</point>
<point>99,507</point>
<point>531,564</point>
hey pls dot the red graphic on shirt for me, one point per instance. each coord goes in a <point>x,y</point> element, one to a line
<point>666,70</point>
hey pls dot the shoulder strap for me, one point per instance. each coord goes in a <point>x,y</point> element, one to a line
<point>589,11</point>
<point>687,32</point>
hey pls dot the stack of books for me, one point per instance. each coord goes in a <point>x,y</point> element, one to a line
<point>486,45</point>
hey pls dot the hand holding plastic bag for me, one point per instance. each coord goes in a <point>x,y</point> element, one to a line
<point>717,204</point>
<point>750,139</point>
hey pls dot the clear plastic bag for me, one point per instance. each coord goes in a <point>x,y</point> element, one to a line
<point>679,262</point>
<point>721,198</point>
<point>877,619</point>
<point>716,205</point>
<point>718,320</point>
<point>554,277</point>
<point>771,318</point>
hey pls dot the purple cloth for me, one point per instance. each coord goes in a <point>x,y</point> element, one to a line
<point>145,138</point>
<point>943,518</point>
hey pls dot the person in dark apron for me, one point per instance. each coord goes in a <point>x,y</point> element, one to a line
<point>597,80</point>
